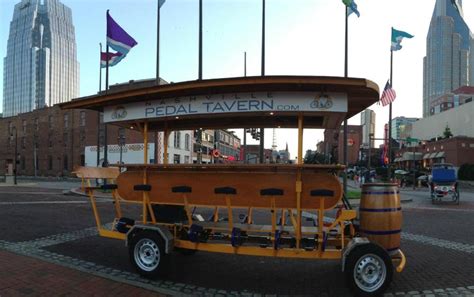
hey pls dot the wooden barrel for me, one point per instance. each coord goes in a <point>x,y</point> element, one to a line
<point>380,215</point>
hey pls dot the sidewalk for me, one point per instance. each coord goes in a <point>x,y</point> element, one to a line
<point>24,276</point>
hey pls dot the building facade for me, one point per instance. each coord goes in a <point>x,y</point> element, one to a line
<point>399,124</point>
<point>453,99</point>
<point>40,68</point>
<point>367,121</point>
<point>51,142</point>
<point>449,60</point>
<point>455,150</point>
<point>460,121</point>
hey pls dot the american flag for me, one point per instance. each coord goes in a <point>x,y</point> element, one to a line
<point>388,95</point>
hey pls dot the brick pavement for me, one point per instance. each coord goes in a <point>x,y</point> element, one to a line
<point>24,276</point>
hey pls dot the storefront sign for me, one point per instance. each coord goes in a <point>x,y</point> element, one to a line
<point>228,103</point>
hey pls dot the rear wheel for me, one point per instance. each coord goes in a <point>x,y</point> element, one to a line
<point>368,270</point>
<point>147,253</point>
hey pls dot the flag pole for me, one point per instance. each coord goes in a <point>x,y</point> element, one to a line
<point>158,79</point>
<point>262,130</point>
<point>200,40</point>
<point>390,120</point>
<point>106,91</point>
<point>98,113</point>
<point>346,58</point>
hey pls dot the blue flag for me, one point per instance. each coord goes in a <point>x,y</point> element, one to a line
<point>397,37</point>
<point>351,7</point>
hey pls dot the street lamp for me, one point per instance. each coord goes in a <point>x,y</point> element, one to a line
<point>16,154</point>
<point>371,136</point>
<point>121,143</point>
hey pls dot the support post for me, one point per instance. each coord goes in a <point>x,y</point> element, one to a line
<point>389,173</point>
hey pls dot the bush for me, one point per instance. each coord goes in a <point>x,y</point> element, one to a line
<point>466,172</point>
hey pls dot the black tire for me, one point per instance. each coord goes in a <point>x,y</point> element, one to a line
<point>147,253</point>
<point>368,270</point>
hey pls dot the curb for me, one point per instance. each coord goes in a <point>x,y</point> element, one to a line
<point>78,192</point>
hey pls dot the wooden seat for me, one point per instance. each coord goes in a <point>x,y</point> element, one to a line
<point>181,189</point>
<point>144,188</point>
<point>271,192</point>
<point>225,190</point>
<point>109,187</point>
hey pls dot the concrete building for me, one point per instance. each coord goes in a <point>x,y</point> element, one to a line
<point>460,121</point>
<point>367,121</point>
<point>449,60</point>
<point>40,68</point>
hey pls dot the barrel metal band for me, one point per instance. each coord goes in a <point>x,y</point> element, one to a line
<point>380,193</point>
<point>388,232</point>
<point>380,209</point>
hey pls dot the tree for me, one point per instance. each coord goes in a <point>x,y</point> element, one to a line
<point>447,132</point>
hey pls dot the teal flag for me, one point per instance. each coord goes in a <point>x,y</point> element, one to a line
<point>397,37</point>
<point>352,7</point>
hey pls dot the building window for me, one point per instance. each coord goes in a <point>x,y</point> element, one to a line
<point>186,142</point>
<point>177,136</point>
<point>50,140</point>
<point>442,147</point>
<point>471,145</point>
<point>463,144</point>
<point>66,120</point>
<point>10,128</point>
<point>36,124</point>
<point>82,121</point>
<point>65,138</point>
<point>50,163</point>
<point>23,144</point>
<point>176,159</point>
<point>22,162</point>
<point>23,124</point>
<point>65,163</point>
<point>186,159</point>
<point>50,122</point>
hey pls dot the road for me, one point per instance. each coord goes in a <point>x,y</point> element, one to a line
<point>40,222</point>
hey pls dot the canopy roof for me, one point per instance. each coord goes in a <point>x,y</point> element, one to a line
<point>358,93</point>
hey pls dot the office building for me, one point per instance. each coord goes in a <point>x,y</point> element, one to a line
<point>40,68</point>
<point>398,125</point>
<point>449,60</point>
<point>367,121</point>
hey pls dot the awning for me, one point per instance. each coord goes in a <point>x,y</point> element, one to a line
<point>409,156</point>
<point>439,155</point>
<point>426,156</point>
<point>397,160</point>
<point>432,155</point>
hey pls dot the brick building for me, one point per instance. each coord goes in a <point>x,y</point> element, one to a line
<point>333,143</point>
<point>51,141</point>
<point>457,150</point>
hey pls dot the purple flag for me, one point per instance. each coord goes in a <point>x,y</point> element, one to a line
<point>117,38</point>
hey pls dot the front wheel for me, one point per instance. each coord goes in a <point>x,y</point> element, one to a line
<point>147,253</point>
<point>368,270</point>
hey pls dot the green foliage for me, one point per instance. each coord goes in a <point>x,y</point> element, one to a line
<point>466,172</point>
<point>313,157</point>
<point>447,132</point>
<point>353,194</point>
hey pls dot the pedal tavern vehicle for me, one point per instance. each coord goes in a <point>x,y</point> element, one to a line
<point>444,183</point>
<point>168,193</point>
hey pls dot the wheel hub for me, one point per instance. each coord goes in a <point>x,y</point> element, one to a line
<point>147,254</point>
<point>370,272</point>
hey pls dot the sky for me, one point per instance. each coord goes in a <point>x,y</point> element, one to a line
<point>303,37</point>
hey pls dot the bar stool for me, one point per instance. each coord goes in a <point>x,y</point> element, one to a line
<point>145,188</point>
<point>272,192</point>
<point>323,194</point>
<point>184,190</point>
<point>227,191</point>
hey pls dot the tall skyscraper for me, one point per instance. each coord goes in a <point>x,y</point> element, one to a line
<point>449,61</point>
<point>40,68</point>
<point>367,120</point>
